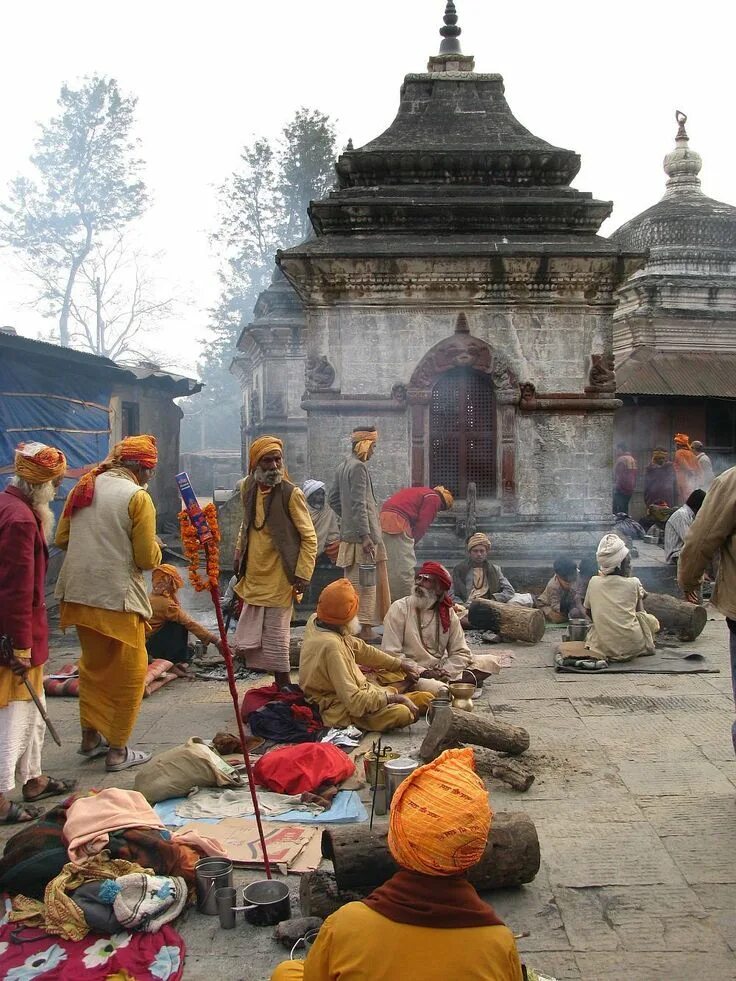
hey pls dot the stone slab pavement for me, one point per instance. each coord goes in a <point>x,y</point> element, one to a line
<point>634,803</point>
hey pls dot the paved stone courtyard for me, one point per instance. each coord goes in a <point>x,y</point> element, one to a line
<point>634,802</point>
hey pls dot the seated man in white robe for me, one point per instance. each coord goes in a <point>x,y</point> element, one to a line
<point>424,628</point>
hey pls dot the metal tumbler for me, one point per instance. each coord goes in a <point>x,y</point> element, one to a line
<point>226,902</point>
<point>211,874</point>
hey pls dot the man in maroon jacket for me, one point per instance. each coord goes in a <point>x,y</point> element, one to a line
<point>405,519</point>
<point>26,522</point>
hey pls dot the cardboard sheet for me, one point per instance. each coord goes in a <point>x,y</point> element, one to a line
<point>239,838</point>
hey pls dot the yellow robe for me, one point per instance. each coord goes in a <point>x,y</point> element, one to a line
<point>265,582</point>
<point>112,669</point>
<point>358,943</point>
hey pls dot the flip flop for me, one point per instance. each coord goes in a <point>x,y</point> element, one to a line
<point>100,749</point>
<point>16,812</point>
<point>133,757</point>
<point>54,788</point>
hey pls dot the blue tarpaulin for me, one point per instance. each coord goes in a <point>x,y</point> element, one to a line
<point>67,408</point>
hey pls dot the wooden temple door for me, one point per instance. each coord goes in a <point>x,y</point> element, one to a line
<point>462,432</point>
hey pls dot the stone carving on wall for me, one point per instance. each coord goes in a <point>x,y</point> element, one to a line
<point>254,408</point>
<point>399,392</point>
<point>275,404</point>
<point>318,373</point>
<point>528,393</point>
<point>601,376</point>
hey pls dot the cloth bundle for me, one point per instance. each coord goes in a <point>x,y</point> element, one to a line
<point>281,714</point>
<point>177,771</point>
<point>301,769</point>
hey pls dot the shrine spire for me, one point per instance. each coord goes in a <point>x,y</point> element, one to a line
<point>450,31</point>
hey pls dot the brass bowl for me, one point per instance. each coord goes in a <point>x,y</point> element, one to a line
<point>462,695</point>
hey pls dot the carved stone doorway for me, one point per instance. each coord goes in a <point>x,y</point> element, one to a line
<point>462,432</point>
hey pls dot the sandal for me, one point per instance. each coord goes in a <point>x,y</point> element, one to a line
<point>54,788</point>
<point>101,749</point>
<point>133,757</point>
<point>16,812</point>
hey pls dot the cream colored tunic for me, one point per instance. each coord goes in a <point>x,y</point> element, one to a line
<point>619,631</point>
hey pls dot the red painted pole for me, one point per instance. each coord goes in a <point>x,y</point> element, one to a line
<point>227,654</point>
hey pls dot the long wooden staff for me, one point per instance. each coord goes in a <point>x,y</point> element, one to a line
<point>206,538</point>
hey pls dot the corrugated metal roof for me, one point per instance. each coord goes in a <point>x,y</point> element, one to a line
<point>692,375</point>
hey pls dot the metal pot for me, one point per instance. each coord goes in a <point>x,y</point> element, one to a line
<point>211,874</point>
<point>266,902</point>
<point>442,700</point>
<point>462,695</point>
<point>578,629</point>
<point>396,771</point>
<point>370,761</point>
<point>367,574</point>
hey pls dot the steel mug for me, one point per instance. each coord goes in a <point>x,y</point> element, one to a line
<point>226,903</point>
<point>211,874</point>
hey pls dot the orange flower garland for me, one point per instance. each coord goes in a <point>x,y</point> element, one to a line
<point>193,547</point>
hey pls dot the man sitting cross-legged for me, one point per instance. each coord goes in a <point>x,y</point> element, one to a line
<point>425,628</point>
<point>330,676</point>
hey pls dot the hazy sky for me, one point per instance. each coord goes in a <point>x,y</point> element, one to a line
<point>602,79</point>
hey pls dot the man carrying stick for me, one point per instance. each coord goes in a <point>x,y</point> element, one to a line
<point>275,556</point>
<point>26,524</point>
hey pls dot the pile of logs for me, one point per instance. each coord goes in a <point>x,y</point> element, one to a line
<point>362,861</point>
<point>451,728</point>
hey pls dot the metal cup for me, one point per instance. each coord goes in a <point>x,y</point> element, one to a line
<point>226,903</point>
<point>367,574</point>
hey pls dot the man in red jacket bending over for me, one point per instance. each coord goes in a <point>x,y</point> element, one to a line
<point>26,523</point>
<point>405,519</point>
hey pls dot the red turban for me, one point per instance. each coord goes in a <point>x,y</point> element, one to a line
<point>444,578</point>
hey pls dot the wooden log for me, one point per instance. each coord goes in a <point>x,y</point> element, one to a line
<point>514,622</point>
<point>451,727</point>
<point>510,771</point>
<point>319,895</point>
<point>362,861</point>
<point>685,619</point>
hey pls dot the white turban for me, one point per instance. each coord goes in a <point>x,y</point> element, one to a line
<point>610,554</point>
<point>310,486</point>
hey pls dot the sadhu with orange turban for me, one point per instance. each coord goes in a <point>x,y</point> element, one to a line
<point>109,532</point>
<point>688,471</point>
<point>427,920</point>
<point>170,625</point>
<point>26,524</point>
<point>274,558</point>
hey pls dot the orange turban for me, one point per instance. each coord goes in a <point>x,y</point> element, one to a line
<point>37,463</point>
<point>260,447</point>
<point>170,572</point>
<point>362,440</point>
<point>440,816</point>
<point>446,496</point>
<point>682,439</point>
<point>338,603</point>
<point>129,451</point>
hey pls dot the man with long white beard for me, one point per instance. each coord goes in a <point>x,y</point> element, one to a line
<point>274,559</point>
<point>330,676</point>
<point>425,628</point>
<point>26,525</point>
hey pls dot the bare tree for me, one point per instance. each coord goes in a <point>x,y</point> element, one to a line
<point>117,305</point>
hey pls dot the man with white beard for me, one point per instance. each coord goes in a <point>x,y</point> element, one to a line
<point>274,559</point>
<point>26,525</point>
<point>425,628</point>
<point>330,676</point>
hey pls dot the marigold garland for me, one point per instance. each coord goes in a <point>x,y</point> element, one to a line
<point>193,548</point>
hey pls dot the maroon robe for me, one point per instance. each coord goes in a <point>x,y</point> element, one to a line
<point>24,559</point>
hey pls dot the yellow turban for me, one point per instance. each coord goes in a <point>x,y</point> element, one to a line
<point>170,572</point>
<point>362,440</point>
<point>440,816</point>
<point>37,463</point>
<point>260,447</point>
<point>445,495</point>
<point>479,538</point>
